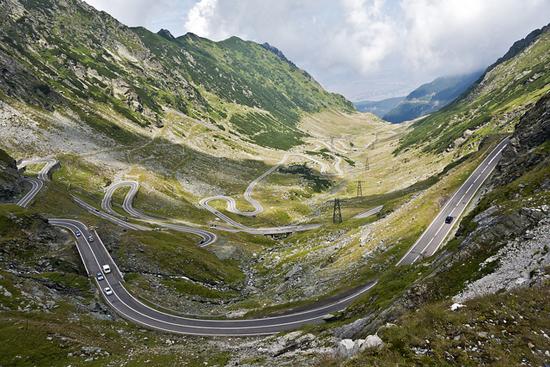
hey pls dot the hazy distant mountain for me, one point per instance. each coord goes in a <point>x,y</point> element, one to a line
<point>494,103</point>
<point>431,97</point>
<point>379,108</point>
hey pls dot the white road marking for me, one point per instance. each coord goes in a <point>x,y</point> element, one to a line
<point>282,325</point>
<point>485,163</point>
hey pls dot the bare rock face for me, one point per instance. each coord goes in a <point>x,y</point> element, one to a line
<point>19,83</point>
<point>532,131</point>
<point>10,179</point>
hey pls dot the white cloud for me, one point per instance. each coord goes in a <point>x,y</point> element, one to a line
<point>199,17</point>
<point>368,31</point>
<point>362,48</point>
<point>460,35</point>
<point>153,15</point>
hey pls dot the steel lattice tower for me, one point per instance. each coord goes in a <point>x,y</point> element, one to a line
<point>337,212</point>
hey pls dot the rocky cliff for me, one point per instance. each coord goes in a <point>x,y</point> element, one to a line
<point>10,179</point>
<point>528,146</point>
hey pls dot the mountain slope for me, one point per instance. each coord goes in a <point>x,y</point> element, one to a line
<point>494,104</point>
<point>10,179</point>
<point>499,256</point>
<point>241,72</point>
<point>431,97</point>
<point>66,55</point>
<point>379,108</point>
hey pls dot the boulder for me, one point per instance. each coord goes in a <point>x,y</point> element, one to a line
<point>347,348</point>
<point>371,342</point>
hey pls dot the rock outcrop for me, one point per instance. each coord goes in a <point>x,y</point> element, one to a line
<point>521,154</point>
<point>10,179</point>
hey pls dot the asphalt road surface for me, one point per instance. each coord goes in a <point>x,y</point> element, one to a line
<point>434,236</point>
<point>207,237</point>
<point>36,186</point>
<point>232,204</point>
<point>369,212</point>
<point>109,217</point>
<point>36,183</point>
<point>94,255</point>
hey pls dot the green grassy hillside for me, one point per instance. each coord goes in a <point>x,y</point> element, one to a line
<point>494,104</point>
<point>275,91</point>
<point>65,55</point>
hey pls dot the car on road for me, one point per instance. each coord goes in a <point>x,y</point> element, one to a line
<point>449,219</point>
<point>99,276</point>
<point>108,291</point>
<point>77,234</point>
<point>106,269</point>
<point>91,238</point>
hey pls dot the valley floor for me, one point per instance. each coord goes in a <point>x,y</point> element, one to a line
<point>240,274</point>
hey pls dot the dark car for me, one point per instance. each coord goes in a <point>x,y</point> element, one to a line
<point>91,238</point>
<point>449,219</point>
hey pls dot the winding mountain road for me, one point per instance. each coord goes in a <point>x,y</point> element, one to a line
<point>36,183</point>
<point>109,217</point>
<point>369,212</point>
<point>94,255</point>
<point>434,236</point>
<point>106,204</point>
<point>36,186</point>
<point>258,208</point>
<point>337,159</point>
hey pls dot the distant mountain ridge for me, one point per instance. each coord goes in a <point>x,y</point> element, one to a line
<point>494,103</point>
<point>379,108</point>
<point>431,97</point>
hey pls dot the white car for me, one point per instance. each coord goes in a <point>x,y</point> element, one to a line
<point>106,269</point>
<point>108,291</point>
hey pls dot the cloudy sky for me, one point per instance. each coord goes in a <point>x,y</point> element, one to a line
<point>364,49</point>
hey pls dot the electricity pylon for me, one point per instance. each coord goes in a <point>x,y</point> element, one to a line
<point>337,212</point>
<point>359,189</point>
